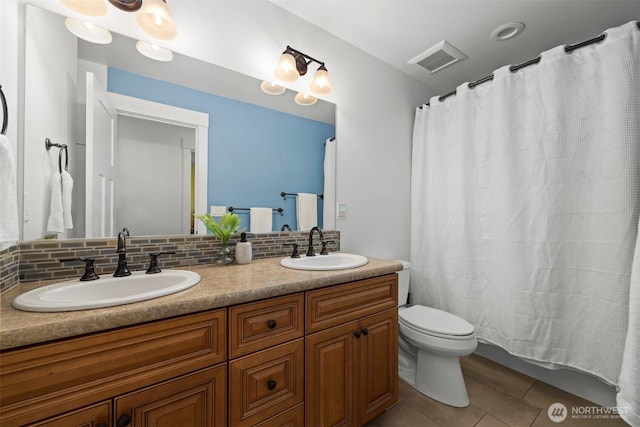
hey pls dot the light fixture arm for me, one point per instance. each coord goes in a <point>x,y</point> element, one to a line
<point>297,53</point>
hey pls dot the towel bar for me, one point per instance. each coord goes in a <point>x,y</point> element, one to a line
<point>284,195</point>
<point>231,209</point>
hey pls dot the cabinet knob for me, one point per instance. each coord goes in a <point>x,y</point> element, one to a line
<point>271,384</point>
<point>365,331</point>
<point>271,323</point>
<point>123,421</point>
<point>357,334</point>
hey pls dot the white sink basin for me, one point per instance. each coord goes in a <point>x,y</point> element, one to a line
<point>333,261</point>
<point>107,291</point>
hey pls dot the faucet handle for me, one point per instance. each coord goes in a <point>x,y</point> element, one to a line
<point>153,262</point>
<point>295,253</point>
<point>324,251</point>
<point>89,271</point>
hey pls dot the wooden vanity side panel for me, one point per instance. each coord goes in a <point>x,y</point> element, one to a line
<point>249,329</point>
<point>336,305</point>
<point>50,379</point>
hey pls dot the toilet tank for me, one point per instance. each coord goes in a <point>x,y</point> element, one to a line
<point>403,282</point>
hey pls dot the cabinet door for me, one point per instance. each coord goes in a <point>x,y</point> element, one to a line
<point>197,399</point>
<point>330,360</point>
<point>98,415</point>
<point>266,383</point>
<point>378,368</point>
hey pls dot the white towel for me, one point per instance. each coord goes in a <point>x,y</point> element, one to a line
<point>55,223</point>
<point>260,220</point>
<point>67,190</point>
<point>307,211</point>
<point>8,192</point>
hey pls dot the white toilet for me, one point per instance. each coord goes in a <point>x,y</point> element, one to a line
<point>431,343</point>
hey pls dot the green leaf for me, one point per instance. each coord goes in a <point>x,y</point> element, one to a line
<point>229,224</point>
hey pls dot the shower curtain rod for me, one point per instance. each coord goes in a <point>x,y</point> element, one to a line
<point>568,49</point>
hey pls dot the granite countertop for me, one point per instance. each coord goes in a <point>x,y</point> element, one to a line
<point>220,286</point>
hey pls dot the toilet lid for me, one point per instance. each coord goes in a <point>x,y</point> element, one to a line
<point>432,320</point>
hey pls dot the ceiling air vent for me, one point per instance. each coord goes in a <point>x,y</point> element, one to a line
<point>438,57</point>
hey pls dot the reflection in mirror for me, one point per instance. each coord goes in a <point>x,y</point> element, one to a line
<point>258,145</point>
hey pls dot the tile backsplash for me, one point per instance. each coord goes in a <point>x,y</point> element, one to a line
<point>40,259</point>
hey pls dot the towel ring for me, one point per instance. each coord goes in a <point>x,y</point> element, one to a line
<point>66,158</point>
<point>5,112</point>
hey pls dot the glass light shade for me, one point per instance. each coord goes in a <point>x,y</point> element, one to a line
<point>154,19</point>
<point>87,7</point>
<point>305,99</point>
<point>321,84</point>
<point>154,51</point>
<point>286,69</point>
<point>272,88</point>
<point>88,31</point>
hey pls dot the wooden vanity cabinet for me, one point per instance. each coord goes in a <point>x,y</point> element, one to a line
<point>351,353</point>
<point>323,357</point>
<point>48,383</point>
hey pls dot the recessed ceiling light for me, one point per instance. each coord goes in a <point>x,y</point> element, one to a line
<point>154,51</point>
<point>272,88</point>
<point>507,31</point>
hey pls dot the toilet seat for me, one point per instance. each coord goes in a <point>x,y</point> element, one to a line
<point>434,322</point>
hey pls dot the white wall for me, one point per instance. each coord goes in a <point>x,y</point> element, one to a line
<point>150,173</point>
<point>52,116</point>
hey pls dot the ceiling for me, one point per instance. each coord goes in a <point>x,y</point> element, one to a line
<point>396,31</point>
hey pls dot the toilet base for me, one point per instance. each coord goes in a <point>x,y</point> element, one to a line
<point>440,378</point>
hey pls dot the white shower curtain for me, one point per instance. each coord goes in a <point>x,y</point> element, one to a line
<point>524,209</point>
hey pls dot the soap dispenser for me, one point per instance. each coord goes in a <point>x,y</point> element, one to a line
<point>243,250</point>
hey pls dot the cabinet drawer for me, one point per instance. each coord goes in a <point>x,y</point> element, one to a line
<point>64,375</point>
<point>294,417</point>
<point>259,325</point>
<point>335,305</point>
<point>266,383</point>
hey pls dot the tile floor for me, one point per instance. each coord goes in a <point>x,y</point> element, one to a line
<point>499,397</point>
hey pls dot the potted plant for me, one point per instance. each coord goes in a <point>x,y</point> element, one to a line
<point>228,225</point>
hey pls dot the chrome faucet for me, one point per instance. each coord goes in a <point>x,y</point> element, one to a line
<point>310,251</point>
<point>122,269</point>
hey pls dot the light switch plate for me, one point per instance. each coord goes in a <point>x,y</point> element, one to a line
<point>342,210</point>
<point>218,210</point>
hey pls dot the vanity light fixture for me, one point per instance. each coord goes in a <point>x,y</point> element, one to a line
<point>153,51</point>
<point>294,64</point>
<point>305,99</point>
<point>127,5</point>
<point>272,88</point>
<point>153,16</point>
<point>154,19</point>
<point>87,7</point>
<point>88,31</point>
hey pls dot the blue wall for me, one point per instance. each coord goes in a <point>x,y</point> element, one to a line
<point>254,152</point>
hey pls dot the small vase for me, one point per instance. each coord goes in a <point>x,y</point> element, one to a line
<point>224,256</point>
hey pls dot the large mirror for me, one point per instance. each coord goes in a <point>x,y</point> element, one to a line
<point>255,145</point>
